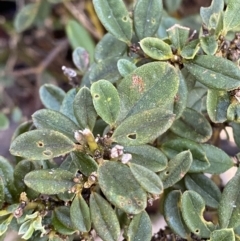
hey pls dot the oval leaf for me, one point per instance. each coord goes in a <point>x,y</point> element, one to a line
<point>218,159</point>
<point>115,18</point>
<point>176,169</point>
<point>192,125</point>
<point>84,110</point>
<point>132,131</point>
<point>80,214</point>
<point>51,181</point>
<point>148,180</point>
<point>173,216</point>
<point>150,86</point>
<point>125,192</point>
<point>156,48</point>
<point>140,228</point>
<point>4,122</point>
<point>106,100</point>
<point>54,120</point>
<point>173,147</point>
<point>217,104</point>
<point>104,219</point>
<point>229,207</point>
<point>209,44</point>
<point>125,67</point>
<point>204,187</point>
<point>51,96</point>
<point>215,72</point>
<point>147,17</point>
<point>81,59</point>
<point>109,46</point>
<point>147,156</point>
<point>233,111</point>
<point>192,210</point>
<point>41,145</point>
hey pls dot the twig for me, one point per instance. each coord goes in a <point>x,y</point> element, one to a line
<point>82,18</point>
<point>45,63</point>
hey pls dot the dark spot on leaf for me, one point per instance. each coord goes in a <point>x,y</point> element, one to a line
<point>138,83</point>
<point>167,173</point>
<point>96,96</point>
<point>197,230</point>
<point>132,136</point>
<point>124,19</point>
<point>153,20</point>
<point>47,153</point>
<point>139,203</point>
<point>40,144</point>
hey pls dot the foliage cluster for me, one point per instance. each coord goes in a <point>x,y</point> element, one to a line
<point>140,127</point>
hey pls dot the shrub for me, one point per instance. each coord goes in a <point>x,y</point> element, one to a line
<point>142,126</point>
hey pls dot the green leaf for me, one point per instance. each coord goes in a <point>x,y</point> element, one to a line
<point>2,192</point>
<point>190,49</point>
<point>173,147</point>
<point>140,228</point>
<point>62,222</point>
<point>125,67</point>
<point>115,18</point>
<point>147,17</point>
<point>20,171</point>
<point>79,37</point>
<point>209,44</point>
<point>176,169</point>
<point>67,105</point>
<point>192,125</point>
<point>6,174</point>
<point>22,128</point>
<point>156,48</point>
<point>51,181</point>
<point>192,210</point>
<point>51,96</point>
<point>215,72</point>
<point>106,100</point>
<point>104,219</point>
<point>41,145</point>
<point>106,69</point>
<point>178,36</point>
<point>205,187</point>
<point>25,17</point>
<point>217,104</point>
<point>229,207</point>
<point>80,58</point>
<point>215,8</point>
<point>4,122</point>
<point>231,19</point>
<point>109,47</point>
<point>148,180</point>
<point>236,132</point>
<point>132,131</point>
<point>80,214</point>
<point>124,192</point>
<point>181,96</point>
<point>84,110</point>
<point>150,86</point>
<point>54,120</point>
<point>219,160</point>
<point>84,163</point>
<point>147,156</point>
<point>173,216</point>
<point>233,111</point>
<point>222,235</point>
